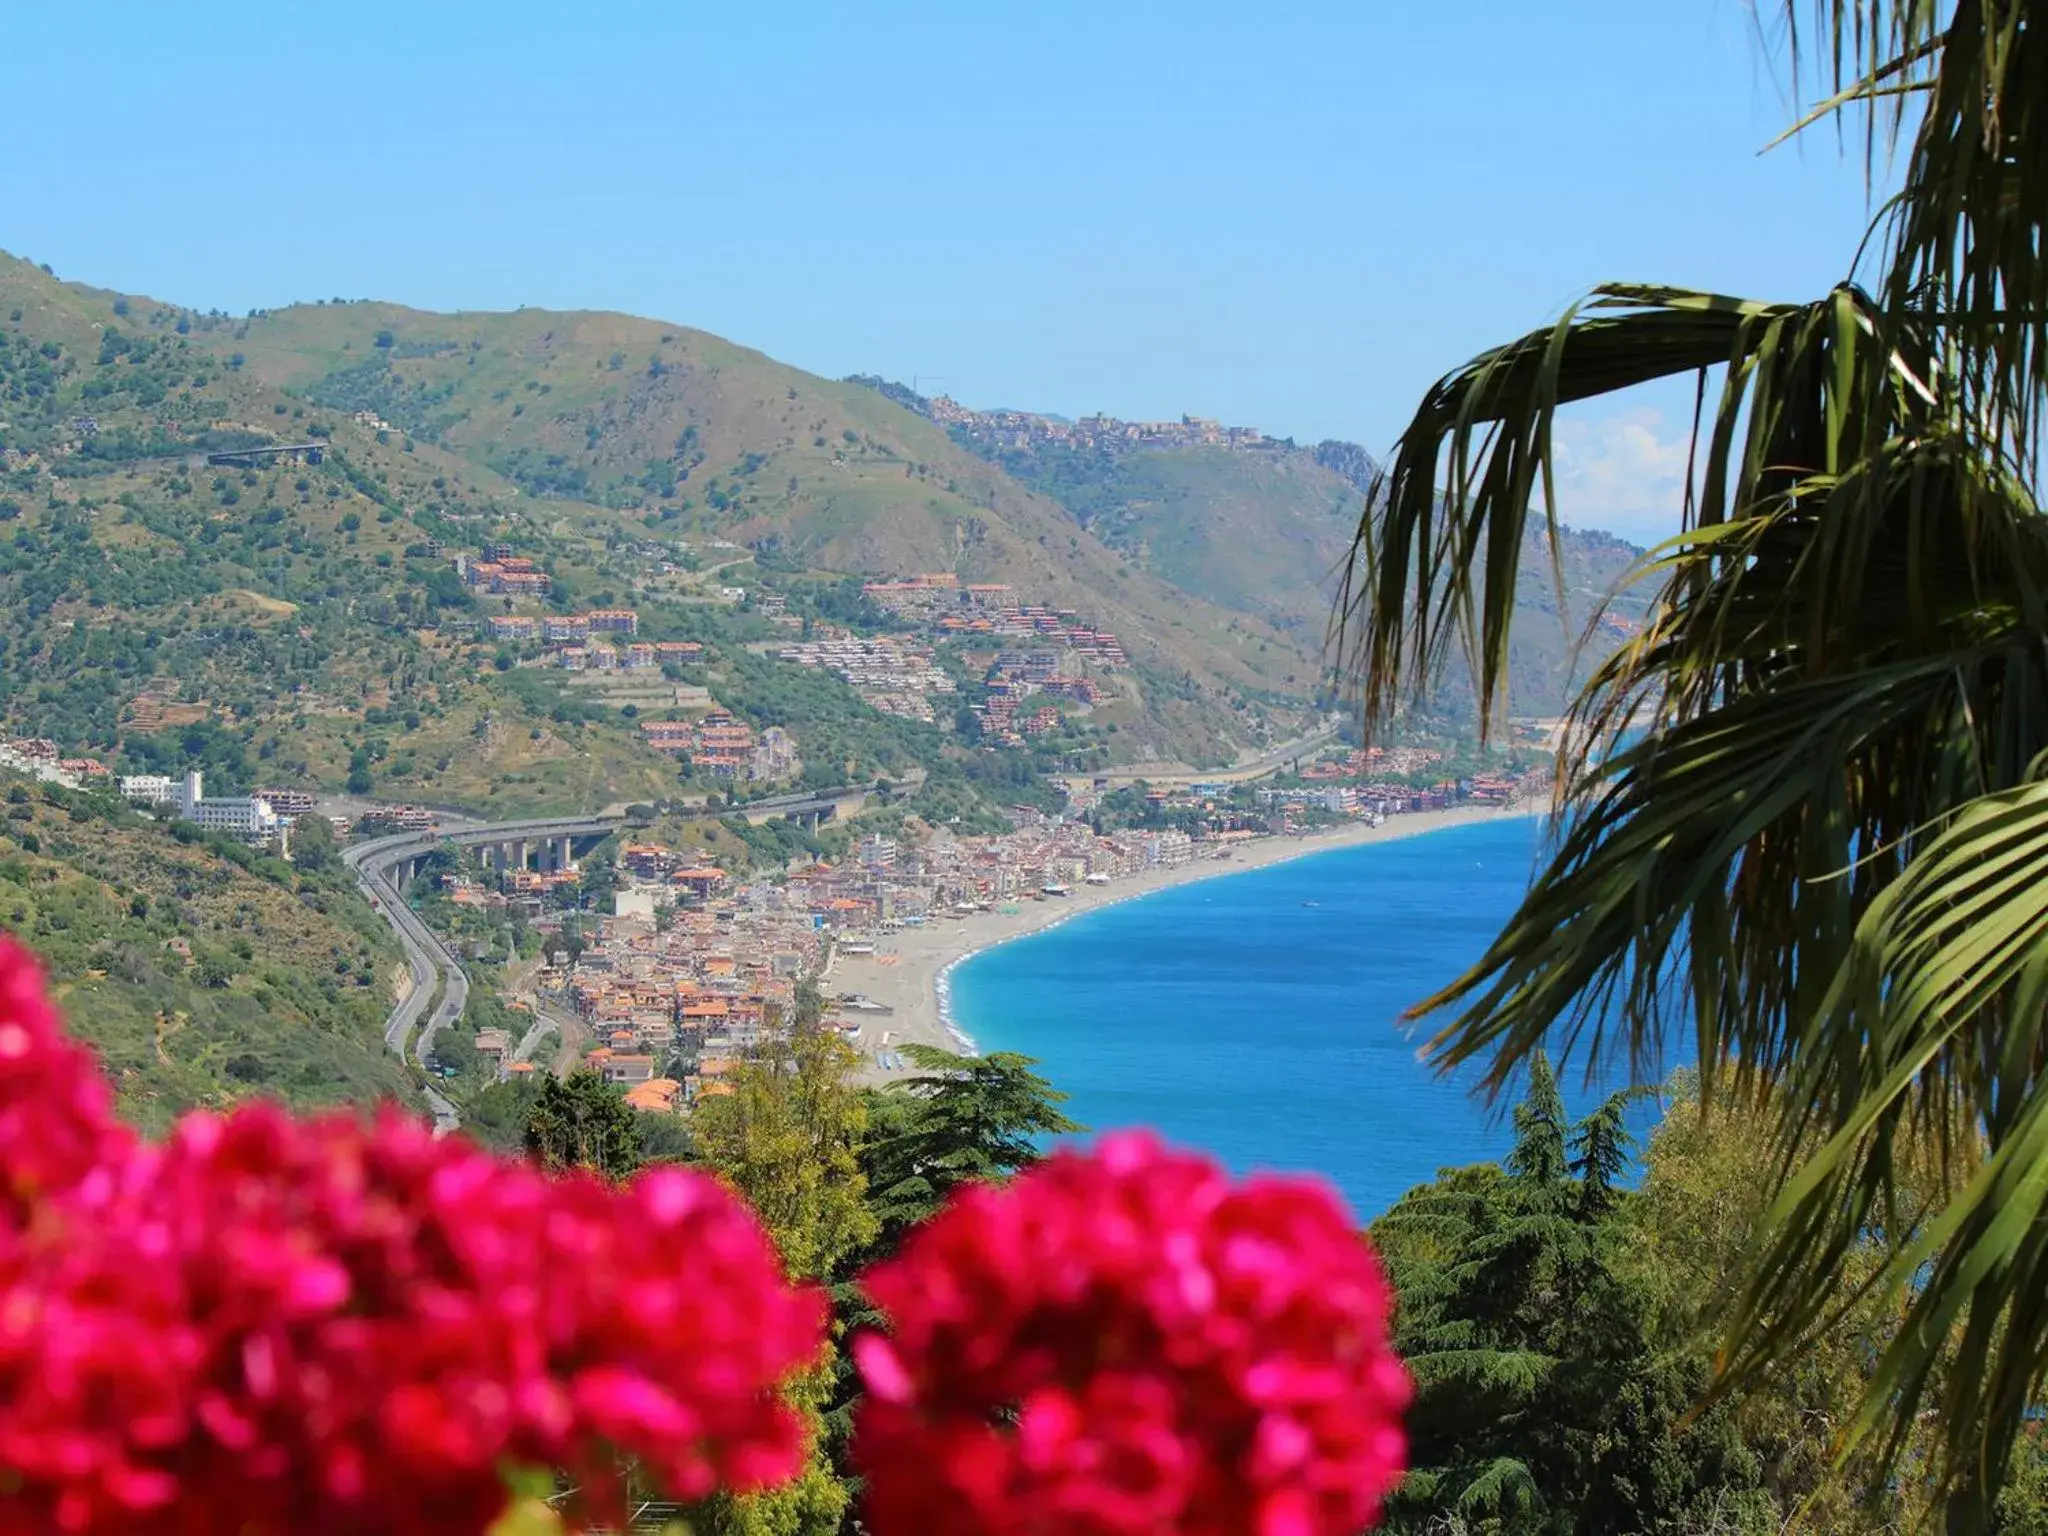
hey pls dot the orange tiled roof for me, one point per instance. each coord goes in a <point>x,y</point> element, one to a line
<point>657,1093</point>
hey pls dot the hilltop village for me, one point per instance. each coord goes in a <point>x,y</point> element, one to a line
<point>1028,429</point>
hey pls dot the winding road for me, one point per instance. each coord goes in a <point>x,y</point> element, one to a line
<point>435,971</point>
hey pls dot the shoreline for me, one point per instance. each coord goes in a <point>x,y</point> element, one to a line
<point>911,972</point>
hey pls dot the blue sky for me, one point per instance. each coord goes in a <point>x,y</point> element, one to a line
<point>1292,216</point>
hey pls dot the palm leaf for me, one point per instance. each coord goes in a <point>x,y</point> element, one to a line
<point>1964,235</point>
<point>1846,656</point>
<point>1935,1019</point>
<point>1811,389</point>
<point>1800,814</point>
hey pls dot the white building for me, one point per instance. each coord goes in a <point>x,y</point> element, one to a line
<point>29,758</point>
<point>288,803</point>
<point>248,818</point>
<point>245,817</point>
<point>149,788</point>
<point>638,901</point>
<point>1170,849</point>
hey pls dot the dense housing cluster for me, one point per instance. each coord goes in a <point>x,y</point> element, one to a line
<point>723,747</point>
<point>1028,429</point>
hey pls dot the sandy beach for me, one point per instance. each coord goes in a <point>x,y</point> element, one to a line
<point>907,974</point>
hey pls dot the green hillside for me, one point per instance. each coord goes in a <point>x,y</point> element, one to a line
<point>298,619</point>
<point>200,972</point>
<point>1266,532</point>
<point>303,622</point>
<point>674,430</point>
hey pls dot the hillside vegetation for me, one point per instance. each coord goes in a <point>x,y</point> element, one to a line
<point>303,621</point>
<point>295,622</point>
<point>683,431</point>
<point>200,972</point>
<point>1266,532</point>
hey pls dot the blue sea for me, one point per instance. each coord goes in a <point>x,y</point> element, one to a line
<point>1256,1015</point>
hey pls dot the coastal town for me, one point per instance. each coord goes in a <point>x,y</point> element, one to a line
<point>659,962</point>
<point>660,968</point>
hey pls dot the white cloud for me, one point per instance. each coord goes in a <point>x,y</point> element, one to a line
<point>1623,473</point>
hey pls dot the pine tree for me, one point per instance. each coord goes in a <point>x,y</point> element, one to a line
<point>1538,1158</point>
<point>1601,1148</point>
<point>966,1119</point>
<point>582,1121</point>
<point>1541,1403</point>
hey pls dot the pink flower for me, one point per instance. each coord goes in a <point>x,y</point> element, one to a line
<point>1125,1342</point>
<point>56,1117</point>
<point>270,1325</point>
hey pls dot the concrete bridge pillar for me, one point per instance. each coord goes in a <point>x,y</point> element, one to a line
<point>568,856</point>
<point>525,854</point>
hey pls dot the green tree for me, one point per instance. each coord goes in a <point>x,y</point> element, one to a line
<point>312,844</point>
<point>1689,1235</point>
<point>1805,809</point>
<point>665,1138</point>
<point>964,1119</point>
<point>582,1121</point>
<point>1543,1401</point>
<point>597,881</point>
<point>1601,1146</point>
<point>1538,1158</point>
<point>455,1051</point>
<point>497,1115</point>
<point>787,1138</point>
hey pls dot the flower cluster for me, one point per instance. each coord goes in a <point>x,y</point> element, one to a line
<point>1125,1342</point>
<point>269,1325</point>
<point>56,1117</point>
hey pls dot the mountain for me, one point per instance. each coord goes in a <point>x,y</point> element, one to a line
<point>675,429</point>
<point>200,972</point>
<point>232,543</point>
<point>1263,528</point>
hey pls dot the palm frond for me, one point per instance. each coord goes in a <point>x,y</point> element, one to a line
<point>1964,235</point>
<point>1847,655</point>
<point>1707,870</point>
<point>1932,1034</point>
<point>1802,813</point>
<point>1810,389</point>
